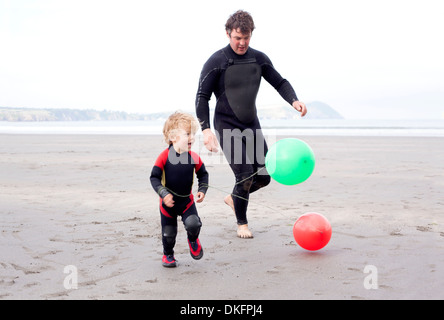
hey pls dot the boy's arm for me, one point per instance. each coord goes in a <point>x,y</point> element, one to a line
<point>203,178</point>
<point>156,175</point>
<point>156,182</point>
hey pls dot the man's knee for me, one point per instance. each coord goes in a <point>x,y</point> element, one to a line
<point>244,181</point>
<point>263,180</point>
<point>250,182</point>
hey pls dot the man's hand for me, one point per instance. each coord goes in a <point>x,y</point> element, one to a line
<point>210,140</point>
<point>300,106</point>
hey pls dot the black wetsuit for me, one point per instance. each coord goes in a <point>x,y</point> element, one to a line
<point>173,173</point>
<point>235,81</point>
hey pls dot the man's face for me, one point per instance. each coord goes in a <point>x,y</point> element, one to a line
<point>239,42</point>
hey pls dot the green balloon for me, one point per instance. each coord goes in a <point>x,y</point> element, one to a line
<point>290,161</point>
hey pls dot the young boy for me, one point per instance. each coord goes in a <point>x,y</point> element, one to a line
<point>172,178</point>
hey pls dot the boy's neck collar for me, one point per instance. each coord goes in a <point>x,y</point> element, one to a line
<point>174,148</point>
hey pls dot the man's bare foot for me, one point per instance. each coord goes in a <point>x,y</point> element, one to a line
<point>229,201</point>
<point>243,232</point>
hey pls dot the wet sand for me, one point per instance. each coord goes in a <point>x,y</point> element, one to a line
<point>86,201</point>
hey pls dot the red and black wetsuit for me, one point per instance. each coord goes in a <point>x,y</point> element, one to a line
<point>173,173</point>
<point>235,81</point>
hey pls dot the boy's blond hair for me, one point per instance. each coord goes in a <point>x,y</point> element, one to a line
<point>179,120</point>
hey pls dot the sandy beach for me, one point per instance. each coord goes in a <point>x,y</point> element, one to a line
<point>82,205</point>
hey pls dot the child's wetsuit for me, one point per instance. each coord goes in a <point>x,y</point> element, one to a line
<point>235,81</point>
<point>173,173</point>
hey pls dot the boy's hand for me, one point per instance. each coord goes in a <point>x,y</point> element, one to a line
<point>200,196</point>
<point>168,200</point>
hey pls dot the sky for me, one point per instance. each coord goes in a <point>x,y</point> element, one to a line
<point>366,59</point>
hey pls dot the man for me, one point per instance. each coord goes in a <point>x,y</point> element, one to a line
<point>233,74</point>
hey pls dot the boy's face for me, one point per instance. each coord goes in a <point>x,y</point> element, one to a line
<point>183,139</point>
<point>239,42</point>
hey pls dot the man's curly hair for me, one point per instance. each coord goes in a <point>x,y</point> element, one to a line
<point>240,20</point>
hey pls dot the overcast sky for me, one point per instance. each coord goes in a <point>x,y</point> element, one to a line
<point>366,59</point>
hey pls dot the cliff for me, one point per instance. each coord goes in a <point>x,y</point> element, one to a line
<point>317,110</point>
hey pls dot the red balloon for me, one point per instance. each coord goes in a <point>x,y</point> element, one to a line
<point>312,231</point>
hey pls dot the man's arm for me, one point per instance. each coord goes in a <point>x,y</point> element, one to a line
<point>207,82</point>
<point>282,86</point>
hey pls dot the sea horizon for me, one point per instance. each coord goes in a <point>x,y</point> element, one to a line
<point>317,127</point>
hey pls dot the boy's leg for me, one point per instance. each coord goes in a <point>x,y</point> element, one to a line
<point>193,225</point>
<point>169,233</point>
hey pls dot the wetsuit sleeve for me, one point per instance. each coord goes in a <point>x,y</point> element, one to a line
<point>201,173</point>
<point>207,83</point>
<point>156,175</point>
<point>280,84</point>
<point>203,178</point>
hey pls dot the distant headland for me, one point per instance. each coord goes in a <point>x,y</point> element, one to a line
<point>317,110</point>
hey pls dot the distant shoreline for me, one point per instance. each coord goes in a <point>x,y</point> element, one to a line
<point>318,110</point>
<point>301,127</point>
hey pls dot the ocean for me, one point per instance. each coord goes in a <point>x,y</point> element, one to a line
<point>303,127</point>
